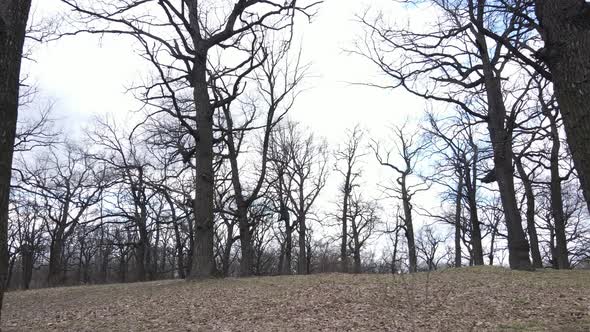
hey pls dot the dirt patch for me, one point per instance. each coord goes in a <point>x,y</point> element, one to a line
<point>468,299</point>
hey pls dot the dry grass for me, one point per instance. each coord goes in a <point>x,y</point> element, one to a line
<point>469,299</point>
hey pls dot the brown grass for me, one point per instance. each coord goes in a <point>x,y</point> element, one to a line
<point>468,299</point>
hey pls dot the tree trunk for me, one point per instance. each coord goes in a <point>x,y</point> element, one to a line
<point>140,254</point>
<point>471,186</point>
<point>122,268</point>
<point>565,29</point>
<point>557,211</point>
<point>288,245</point>
<point>357,261</point>
<point>530,214</point>
<point>409,227</point>
<point>344,243</point>
<point>55,276</point>
<point>203,257</point>
<point>501,138</point>
<point>13,22</point>
<point>27,265</point>
<point>247,259</point>
<point>179,250</point>
<point>518,247</point>
<point>302,258</point>
<point>458,208</point>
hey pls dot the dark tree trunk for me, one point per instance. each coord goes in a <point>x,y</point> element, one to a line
<point>501,138</point>
<point>394,255</point>
<point>140,254</point>
<point>13,23</point>
<point>458,209</point>
<point>179,250</point>
<point>226,259</point>
<point>557,211</point>
<point>55,276</point>
<point>143,254</point>
<point>302,258</point>
<point>476,252</point>
<point>344,242</point>
<point>27,255</point>
<point>122,268</point>
<point>518,247</point>
<point>530,214</point>
<point>357,261</point>
<point>203,261</point>
<point>409,227</point>
<point>565,28</point>
<point>247,259</point>
<point>288,242</point>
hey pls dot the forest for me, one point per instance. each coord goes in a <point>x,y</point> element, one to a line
<point>213,176</point>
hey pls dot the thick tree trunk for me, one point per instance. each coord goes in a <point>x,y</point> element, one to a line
<point>565,28</point>
<point>247,259</point>
<point>13,23</point>
<point>302,257</point>
<point>518,246</point>
<point>27,265</point>
<point>530,214</point>
<point>357,261</point>
<point>458,209</point>
<point>140,254</point>
<point>203,262</point>
<point>501,138</point>
<point>55,275</point>
<point>122,268</point>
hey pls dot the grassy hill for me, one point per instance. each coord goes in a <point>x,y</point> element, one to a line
<point>467,299</point>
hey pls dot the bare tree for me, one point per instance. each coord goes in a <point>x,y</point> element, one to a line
<point>306,173</point>
<point>453,139</point>
<point>364,220</point>
<point>456,63</point>
<point>276,79</point>
<point>428,243</point>
<point>347,164</point>
<point>187,36</point>
<point>68,185</point>
<point>409,152</point>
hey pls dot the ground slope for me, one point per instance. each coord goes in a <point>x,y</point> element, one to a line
<point>468,299</point>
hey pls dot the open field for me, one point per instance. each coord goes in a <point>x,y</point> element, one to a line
<point>468,299</point>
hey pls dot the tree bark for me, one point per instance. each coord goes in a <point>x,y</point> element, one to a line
<point>409,227</point>
<point>557,211</point>
<point>344,243</point>
<point>501,138</point>
<point>55,275</point>
<point>530,214</point>
<point>27,265</point>
<point>14,15</point>
<point>203,257</point>
<point>288,240</point>
<point>565,29</point>
<point>458,209</point>
<point>302,258</point>
<point>471,187</point>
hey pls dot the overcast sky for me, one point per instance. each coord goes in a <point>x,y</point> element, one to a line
<point>85,76</point>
